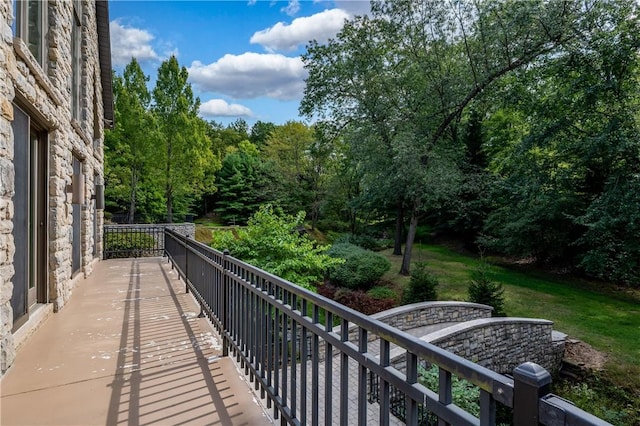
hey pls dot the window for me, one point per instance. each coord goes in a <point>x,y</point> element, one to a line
<point>76,60</point>
<point>31,25</point>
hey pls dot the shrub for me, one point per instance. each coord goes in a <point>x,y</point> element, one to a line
<point>361,301</point>
<point>422,285</point>
<point>121,244</point>
<point>483,289</point>
<point>361,268</point>
<point>382,293</point>
<point>367,242</point>
<point>465,394</point>
<point>271,241</point>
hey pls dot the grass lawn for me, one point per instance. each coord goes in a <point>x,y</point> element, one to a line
<point>606,319</point>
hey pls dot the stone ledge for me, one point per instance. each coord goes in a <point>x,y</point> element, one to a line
<point>23,53</point>
<point>481,323</point>
<point>416,307</point>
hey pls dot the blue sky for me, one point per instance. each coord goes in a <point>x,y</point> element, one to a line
<point>243,56</point>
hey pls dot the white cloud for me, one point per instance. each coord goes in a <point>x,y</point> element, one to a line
<point>320,27</point>
<point>220,108</point>
<point>128,42</point>
<point>292,8</point>
<point>251,75</point>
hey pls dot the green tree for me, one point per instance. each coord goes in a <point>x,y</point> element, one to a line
<point>242,184</point>
<point>403,78</point>
<point>188,164</point>
<point>299,158</point>
<point>485,290</point>
<point>560,137</point>
<point>423,285</point>
<point>272,241</point>
<point>260,132</point>
<point>129,145</point>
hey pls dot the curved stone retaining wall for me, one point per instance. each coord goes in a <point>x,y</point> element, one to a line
<point>415,315</point>
<point>500,344</point>
<point>430,313</point>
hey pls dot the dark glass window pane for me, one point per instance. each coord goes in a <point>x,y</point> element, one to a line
<point>34,35</point>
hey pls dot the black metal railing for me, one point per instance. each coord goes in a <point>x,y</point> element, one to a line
<point>122,241</point>
<point>264,320</point>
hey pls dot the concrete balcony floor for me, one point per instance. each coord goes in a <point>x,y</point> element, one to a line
<point>127,349</point>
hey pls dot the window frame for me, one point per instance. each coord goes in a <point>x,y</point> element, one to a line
<point>21,28</point>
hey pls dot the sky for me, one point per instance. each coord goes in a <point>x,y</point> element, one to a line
<point>243,56</point>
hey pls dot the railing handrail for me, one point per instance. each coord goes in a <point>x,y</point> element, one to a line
<point>482,377</point>
<point>528,394</point>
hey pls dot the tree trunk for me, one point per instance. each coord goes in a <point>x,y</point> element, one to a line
<point>314,215</point>
<point>168,189</point>
<point>413,226</point>
<point>353,217</point>
<point>132,197</point>
<point>397,240</point>
<point>169,205</point>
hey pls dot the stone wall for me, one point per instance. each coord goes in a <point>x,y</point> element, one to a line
<point>45,94</point>
<point>422,314</point>
<point>187,229</point>
<point>500,344</point>
<point>429,313</point>
<point>7,248</point>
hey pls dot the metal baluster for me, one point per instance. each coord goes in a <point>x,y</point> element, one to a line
<point>412,377</point>
<point>362,379</point>
<point>444,391</point>
<point>303,368</point>
<point>385,349</point>
<point>314,370</point>
<point>294,357</point>
<point>344,376</point>
<point>328,371</point>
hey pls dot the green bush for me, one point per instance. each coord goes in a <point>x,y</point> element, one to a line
<point>422,285</point>
<point>483,289</point>
<point>271,241</point>
<point>367,242</point>
<point>465,395</point>
<point>382,293</point>
<point>361,269</point>
<point>122,244</point>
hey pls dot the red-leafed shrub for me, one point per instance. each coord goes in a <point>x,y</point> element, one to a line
<point>358,300</point>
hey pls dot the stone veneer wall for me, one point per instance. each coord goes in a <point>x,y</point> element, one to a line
<point>7,248</point>
<point>45,94</point>
<point>422,314</point>
<point>407,317</point>
<point>186,229</point>
<point>500,344</point>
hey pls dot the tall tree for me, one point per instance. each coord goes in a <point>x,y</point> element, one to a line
<point>562,135</point>
<point>129,146</point>
<point>242,184</point>
<point>188,161</point>
<point>287,150</point>
<point>406,75</point>
<point>260,131</point>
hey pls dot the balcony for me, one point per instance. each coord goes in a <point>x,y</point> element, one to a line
<point>127,349</point>
<point>135,345</point>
